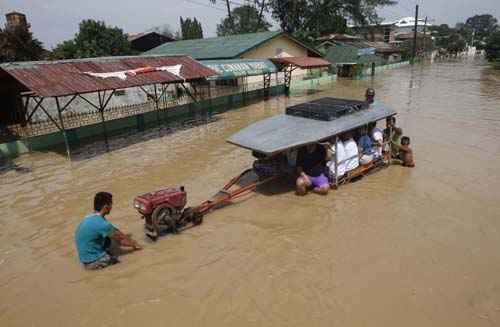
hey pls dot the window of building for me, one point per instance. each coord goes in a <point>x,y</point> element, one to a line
<point>119,92</point>
<point>227,82</point>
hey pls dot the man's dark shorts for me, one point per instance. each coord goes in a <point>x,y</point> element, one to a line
<point>107,260</point>
<point>103,262</point>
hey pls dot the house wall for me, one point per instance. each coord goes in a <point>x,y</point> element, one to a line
<point>270,49</point>
<point>274,47</point>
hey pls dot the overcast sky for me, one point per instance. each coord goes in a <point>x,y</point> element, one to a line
<point>53,21</point>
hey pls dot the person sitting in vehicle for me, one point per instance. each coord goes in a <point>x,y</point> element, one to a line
<point>268,166</point>
<point>338,164</point>
<point>351,153</point>
<point>94,235</point>
<point>311,167</point>
<point>405,153</point>
<point>377,137</point>
<point>392,136</point>
<point>366,152</point>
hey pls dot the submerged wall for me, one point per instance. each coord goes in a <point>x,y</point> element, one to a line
<point>179,113</point>
<point>138,122</point>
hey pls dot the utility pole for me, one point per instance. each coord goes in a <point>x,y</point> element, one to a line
<point>425,36</point>
<point>415,35</point>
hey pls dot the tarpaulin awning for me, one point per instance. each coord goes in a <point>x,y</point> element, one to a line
<point>233,68</point>
<point>69,77</point>
<point>302,62</point>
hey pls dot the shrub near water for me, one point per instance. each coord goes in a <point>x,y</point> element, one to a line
<point>493,49</point>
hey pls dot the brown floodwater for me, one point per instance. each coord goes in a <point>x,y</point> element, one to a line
<point>403,247</point>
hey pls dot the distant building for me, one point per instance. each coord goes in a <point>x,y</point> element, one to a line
<point>350,58</point>
<point>253,50</point>
<point>16,20</point>
<point>262,45</point>
<point>146,41</point>
<point>358,50</point>
<point>388,31</point>
<point>338,37</point>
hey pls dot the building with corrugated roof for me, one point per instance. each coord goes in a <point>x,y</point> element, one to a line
<point>262,45</point>
<point>350,57</point>
<point>243,50</point>
<point>142,42</point>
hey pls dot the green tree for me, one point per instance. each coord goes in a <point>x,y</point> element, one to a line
<point>18,44</point>
<point>465,31</point>
<point>452,40</point>
<point>191,29</point>
<point>308,19</point>
<point>64,50</point>
<point>492,48</point>
<point>455,43</point>
<point>245,19</point>
<point>482,25</point>
<point>424,45</point>
<point>94,39</point>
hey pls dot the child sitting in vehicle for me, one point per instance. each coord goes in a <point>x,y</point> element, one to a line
<point>405,153</point>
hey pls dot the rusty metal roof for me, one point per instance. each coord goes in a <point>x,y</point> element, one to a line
<point>66,77</point>
<point>302,62</point>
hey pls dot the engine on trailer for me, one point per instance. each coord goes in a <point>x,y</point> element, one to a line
<point>163,211</point>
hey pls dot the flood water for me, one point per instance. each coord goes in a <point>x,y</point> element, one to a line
<point>403,247</point>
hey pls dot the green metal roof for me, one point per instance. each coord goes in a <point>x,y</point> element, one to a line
<point>348,54</point>
<point>216,47</point>
<point>232,68</point>
<point>224,47</point>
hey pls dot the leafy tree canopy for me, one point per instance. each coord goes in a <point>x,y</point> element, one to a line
<point>245,19</point>
<point>483,25</point>
<point>18,44</point>
<point>492,47</point>
<point>94,39</point>
<point>191,29</point>
<point>308,19</point>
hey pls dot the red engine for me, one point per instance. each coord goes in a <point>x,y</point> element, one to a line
<point>163,211</point>
<point>174,197</point>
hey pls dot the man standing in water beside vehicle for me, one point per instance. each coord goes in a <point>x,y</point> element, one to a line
<point>370,95</point>
<point>94,235</point>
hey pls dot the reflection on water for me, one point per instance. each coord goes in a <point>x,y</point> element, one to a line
<point>402,247</point>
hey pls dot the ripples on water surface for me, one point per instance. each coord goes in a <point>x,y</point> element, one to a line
<point>403,247</point>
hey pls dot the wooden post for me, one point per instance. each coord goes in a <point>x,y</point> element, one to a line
<point>336,163</point>
<point>157,107</point>
<point>424,40</point>
<point>63,130</point>
<point>27,133</point>
<point>390,142</point>
<point>165,102</point>
<point>210,103</point>
<point>415,35</point>
<point>103,121</point>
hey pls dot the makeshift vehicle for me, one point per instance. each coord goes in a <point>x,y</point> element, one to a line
<point>270,141</point>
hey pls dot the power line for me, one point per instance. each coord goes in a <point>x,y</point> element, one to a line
<point>206,5</point>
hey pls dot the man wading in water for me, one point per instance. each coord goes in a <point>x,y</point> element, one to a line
<point>94,235</point>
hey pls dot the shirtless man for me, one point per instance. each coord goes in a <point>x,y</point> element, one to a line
<point>405,153</point>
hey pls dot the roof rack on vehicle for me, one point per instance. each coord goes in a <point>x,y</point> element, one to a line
<point>326,109</point>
